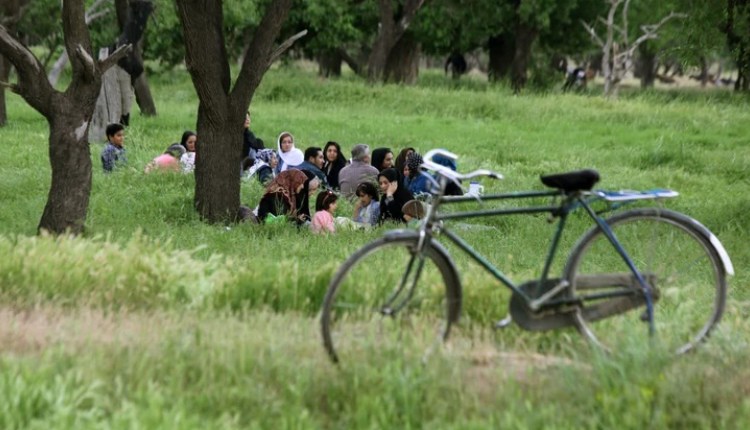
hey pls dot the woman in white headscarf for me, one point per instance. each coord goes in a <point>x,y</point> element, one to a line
<point>289,156</point>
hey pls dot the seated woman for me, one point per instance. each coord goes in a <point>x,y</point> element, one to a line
<point>394,196</point>
<point>382,158</point>
<point>334,162</point>
<point>264,166</point>
<point>288,194</point>
<point>400,162</point>
<point>418,183</point>
<point>367,207</point>
<point>289,156</point>
<point>187,160</point>
<point>168,161</point>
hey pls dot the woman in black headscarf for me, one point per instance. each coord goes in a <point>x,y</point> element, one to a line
<point>333,163</point>
<point>382,158</point>
<point>394,196</point>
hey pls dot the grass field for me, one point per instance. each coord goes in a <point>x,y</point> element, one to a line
<point>154,319</point>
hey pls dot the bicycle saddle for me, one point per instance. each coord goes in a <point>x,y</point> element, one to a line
<point>572,181</point>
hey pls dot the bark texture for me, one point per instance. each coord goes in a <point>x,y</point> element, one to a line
<point>68,115</point>
<point>403,61</point>
<point>221,108</point>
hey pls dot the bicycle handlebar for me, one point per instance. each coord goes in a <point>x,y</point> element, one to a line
<point>450,173</point>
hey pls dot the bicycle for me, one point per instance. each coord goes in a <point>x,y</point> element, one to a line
<point>624,271</point>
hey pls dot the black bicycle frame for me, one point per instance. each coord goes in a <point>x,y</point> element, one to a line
<point>560,211</point>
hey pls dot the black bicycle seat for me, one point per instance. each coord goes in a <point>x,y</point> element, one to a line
<point>572,181</point>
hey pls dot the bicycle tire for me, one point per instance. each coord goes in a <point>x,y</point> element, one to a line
<point>675,256</point>
<point>353,320</point>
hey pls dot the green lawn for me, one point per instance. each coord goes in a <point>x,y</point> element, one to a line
<point>154,319</point>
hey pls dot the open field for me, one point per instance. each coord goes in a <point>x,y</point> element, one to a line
<point>154,319</point>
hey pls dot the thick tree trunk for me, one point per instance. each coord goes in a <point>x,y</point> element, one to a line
<point>141,88</point>
<point>403,62</point>
<point>378,58</point>
<point>525,37</point>
<point>217,196</point>
<point>647,65</point>
<point>501,49</point>
<point>222,107</point>
<point>329,64</point>
<point>4,73</point>
<point>70,159</point>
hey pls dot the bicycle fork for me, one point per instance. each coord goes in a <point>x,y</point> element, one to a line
<point>646,288</point>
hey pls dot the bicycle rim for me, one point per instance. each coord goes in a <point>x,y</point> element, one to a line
<point>679,262</point>
<point>372,306</point>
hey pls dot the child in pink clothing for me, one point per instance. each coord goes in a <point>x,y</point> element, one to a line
<point>325,206</point>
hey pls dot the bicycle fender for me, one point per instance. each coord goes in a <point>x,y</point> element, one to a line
<point>723,254</point>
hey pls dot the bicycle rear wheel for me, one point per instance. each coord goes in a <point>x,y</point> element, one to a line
<point>679,262</point>
<point>389,298</point>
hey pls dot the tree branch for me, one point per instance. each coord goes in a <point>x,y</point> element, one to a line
<point>593,34</point>
<point>260,52</point>
<point>284,46</point>
<point>113,58</point>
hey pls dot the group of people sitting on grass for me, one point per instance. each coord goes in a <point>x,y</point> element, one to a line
<point>382,187</point>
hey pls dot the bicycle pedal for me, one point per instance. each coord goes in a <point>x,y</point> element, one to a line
<point>503,323</point>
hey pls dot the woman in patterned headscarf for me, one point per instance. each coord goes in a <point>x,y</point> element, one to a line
<point>418,183</point>
<point>287,195</point>
<point>264,166</point>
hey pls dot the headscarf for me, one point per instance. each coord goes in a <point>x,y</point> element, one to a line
<point>413,162</point>
<point>400,161</point>
<point>340,160</point>
<point>262,158</point>
<point>378,156</point>
<point>286,183</point>
<point>265,155</point>
<point>294,157</point>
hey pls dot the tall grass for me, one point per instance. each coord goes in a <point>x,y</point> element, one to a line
<point>155,319</point>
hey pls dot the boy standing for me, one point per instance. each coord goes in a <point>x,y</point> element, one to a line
<point>113,154</point>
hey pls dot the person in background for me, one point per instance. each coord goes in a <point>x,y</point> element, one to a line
<point>288,155</point>
<point>413,211</point>
<point>250,143</point>
<point>169,161</point>
<point>187,160</point>
<point>113,154</point>
<point>288,194</point>
<point>418,183</point>
<point>382,158</point>
<point>400,161</point>
<point>367,207</point>
<point>334,162</point>
<point>314,163</point>
<point>358,171</point>
<point>394,196</point>
<point>325,207</point>
<point>264,166</point>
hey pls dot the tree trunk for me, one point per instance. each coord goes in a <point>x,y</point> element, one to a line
<point>329,64</point>
<point>4,74</point>
<point>525,37</point>
<point>376,62</point>
<point>141,88</point>
<point>647,65</point>
<point>222,107</point>
<point>217,196</point>
<point>501,49</point>
<point>70,159</point>
<point>403,62</point>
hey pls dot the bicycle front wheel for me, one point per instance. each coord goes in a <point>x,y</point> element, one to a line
<point>673,256</point>
<point>390,298</point>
